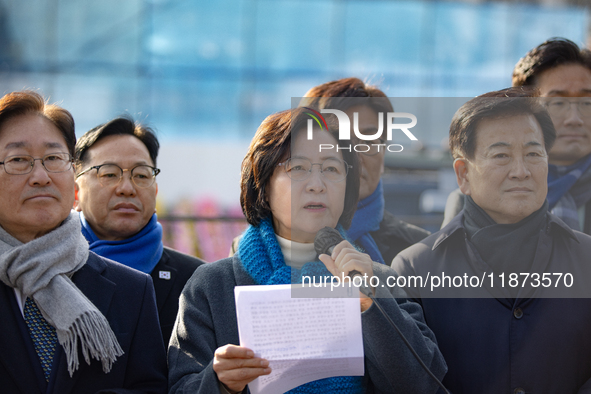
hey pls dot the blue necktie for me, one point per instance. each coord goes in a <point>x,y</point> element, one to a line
<point>43,335</point>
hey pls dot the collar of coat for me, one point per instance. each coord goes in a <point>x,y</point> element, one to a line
<point>455,228</point>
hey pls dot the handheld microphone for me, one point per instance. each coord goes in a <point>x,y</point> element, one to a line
<point>325,241</point>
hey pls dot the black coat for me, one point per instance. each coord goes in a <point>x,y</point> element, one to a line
<point>496,344</point>
<point>169,276</point>
<point>126,299</point>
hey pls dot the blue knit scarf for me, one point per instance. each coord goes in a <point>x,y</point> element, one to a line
<point>368,216</point>
<point>142,251</point>
<point>262,258</point>
<point>568,189</point>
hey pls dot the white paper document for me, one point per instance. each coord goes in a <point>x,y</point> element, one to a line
<point>304,339</point>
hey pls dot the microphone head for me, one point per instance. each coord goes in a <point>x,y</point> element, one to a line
<point>326,239</point>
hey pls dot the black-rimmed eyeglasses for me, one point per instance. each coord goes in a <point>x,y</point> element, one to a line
<point>23,164</point>
<point>111,174</point>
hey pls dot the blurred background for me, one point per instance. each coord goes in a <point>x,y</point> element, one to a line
<point>205,74</point>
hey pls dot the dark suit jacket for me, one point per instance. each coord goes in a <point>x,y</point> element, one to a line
<point>126,298</point>
<point>169,276</point>
<point>394,236</point>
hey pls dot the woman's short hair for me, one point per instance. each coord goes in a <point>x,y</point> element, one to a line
<point>496,105</point>
<point>270,146</point>
<point>338,94</point>
<point>28,102</point>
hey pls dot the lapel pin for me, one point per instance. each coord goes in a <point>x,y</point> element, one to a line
<point>164,275</point>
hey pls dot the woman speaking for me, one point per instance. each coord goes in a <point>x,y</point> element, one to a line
<point>289,191</point>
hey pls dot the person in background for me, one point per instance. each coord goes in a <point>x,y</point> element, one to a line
<point>70,318</point>
<point>289,191</point>
<point>116,196</point>
<point>561,71</point>
<point>373,228</point>
<point>509,335</point>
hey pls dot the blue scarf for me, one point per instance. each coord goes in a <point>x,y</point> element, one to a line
<point>142,251</point>
<point>262,258</point>
<point>568,189</point>
<point>368,216</point>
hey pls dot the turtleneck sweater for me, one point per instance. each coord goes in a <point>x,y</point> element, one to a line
<point>296,254</point>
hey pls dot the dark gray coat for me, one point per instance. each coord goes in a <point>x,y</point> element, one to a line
<point>207,320</point>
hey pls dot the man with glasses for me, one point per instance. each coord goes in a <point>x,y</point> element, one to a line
<point>69,318</point>
<point>375,229</point>
<point>116,195</point>
<point>561,71</point>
